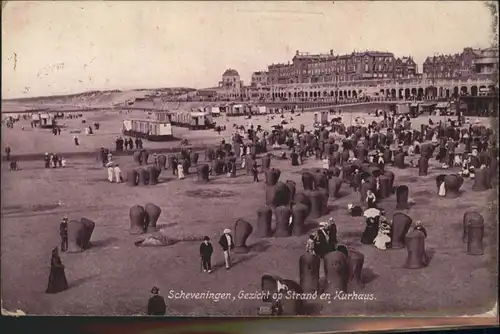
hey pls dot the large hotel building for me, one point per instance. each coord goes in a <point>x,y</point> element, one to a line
<point>368,72</point>
<point>317,68</point>
<point>369,65</point>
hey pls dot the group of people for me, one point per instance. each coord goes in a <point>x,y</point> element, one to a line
<point>56,130</point>
<point>52,160</point>
<point>377,232</point>
<point>323,240</point>
<point>206,250</point>
<point>13,165</point>
<point>114,172</point>
<point>127,144</point>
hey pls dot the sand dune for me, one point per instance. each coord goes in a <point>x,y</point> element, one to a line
<point>92,99</point>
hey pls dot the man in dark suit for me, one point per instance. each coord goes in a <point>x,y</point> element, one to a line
<point>227,244</point>
<point>63,233</point>
<point>206,251</point>
<point>156,304</point>
<point>331,229</point>
<point>322,246</point>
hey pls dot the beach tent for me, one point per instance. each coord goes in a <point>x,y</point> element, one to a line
<point>262,110</point>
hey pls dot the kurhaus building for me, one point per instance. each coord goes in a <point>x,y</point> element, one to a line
<point>318,68</point>
<point>231,87</point>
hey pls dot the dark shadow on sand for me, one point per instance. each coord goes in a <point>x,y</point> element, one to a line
<point>259,246</point>
<point>430,252</point>
<point>162,226</point>
<point>103,242</point>
<point>80,281</point>
<point>368,275</point>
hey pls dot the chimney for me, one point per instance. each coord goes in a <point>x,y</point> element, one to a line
<point>331,52</point>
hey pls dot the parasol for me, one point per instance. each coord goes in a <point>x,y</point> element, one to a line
<point>371,213</point>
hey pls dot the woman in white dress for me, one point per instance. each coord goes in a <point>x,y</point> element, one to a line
<point>111,171</point>
<point>383,238</point>
<point>118,173</point>
<point>326,163</point>
<point>180,172</point>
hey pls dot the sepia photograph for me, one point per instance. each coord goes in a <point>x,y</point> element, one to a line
<point>253,158</point>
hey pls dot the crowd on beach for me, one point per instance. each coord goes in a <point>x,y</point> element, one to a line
<point>302,144</point>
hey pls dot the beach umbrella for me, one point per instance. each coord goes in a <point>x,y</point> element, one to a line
<point>371,213</point>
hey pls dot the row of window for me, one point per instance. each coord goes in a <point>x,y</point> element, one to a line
<point>328,70</point>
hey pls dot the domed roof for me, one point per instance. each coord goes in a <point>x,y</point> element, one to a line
<point>230,72</point>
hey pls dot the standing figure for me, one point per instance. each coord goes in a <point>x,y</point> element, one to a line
<point>75,139</point>
<point>180,172</point>
<point>206,251</point>
<point>322,245</point>
<point>63,162</point>
<point>155,160</point>
<point>156,304</point>
<point>371,199</point>
<point>110,165</point>
<point>380,161</point>
<point>63,233</point>
<point>295,158</point>
<point>55,160</point>
<point>118,173</point>
<point>47,160</point>
<point>7,152</point>
<point>174,166</point>
<point>255,172</point>
<point>102,154</point>
<point>57,278</point>
<point>310,244</point>
<point>227,244</point>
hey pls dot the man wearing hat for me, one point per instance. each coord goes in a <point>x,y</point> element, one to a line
<point>156,304</point>
<point>47,160</point>
<point>63,232</point>
<point>227,244</point>
<point>206,251</point>
<point>322,246</point>
<point>420,227</point>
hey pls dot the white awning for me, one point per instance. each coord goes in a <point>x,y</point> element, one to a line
<point>442,105</point>
<point>198,114</point>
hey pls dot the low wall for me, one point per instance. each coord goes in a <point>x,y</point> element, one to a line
<point>357,107</point>
<point>95,154</point>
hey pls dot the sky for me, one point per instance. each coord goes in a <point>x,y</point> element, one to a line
<point>66,47</point>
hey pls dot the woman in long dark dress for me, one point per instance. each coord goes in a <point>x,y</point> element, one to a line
<point>57,278</point>
<point>371,230</point>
